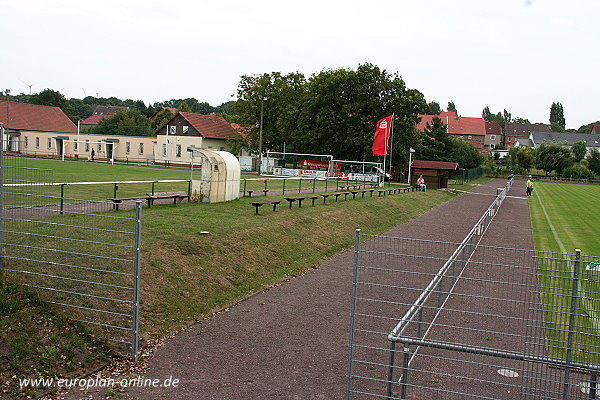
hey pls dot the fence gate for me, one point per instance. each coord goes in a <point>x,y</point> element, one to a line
<point>80,257</point>
<point>438,320</point>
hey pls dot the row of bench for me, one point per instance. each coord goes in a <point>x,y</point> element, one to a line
<point>150,198</point>
<point>300,199</point>
<point>348,187</point>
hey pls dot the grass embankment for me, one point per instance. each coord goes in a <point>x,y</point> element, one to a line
<point>37,341</point>
<point>186,275</point>
<point>563,219</point>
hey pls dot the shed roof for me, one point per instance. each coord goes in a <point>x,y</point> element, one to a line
<point>33,117</point>
<point>434,164</point>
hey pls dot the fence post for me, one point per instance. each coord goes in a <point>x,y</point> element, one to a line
<point>405,372</point>
<point>1,196</point>
<point>62,198</point>
<point>314,182</point>
<point>245,180</point>
<point>283,190</point>
<point>299,185</point>
<point>572,313</point>
<point>136,280</point>
<point>189,190</point>
<point>391,369</point>
<point>354,280</point>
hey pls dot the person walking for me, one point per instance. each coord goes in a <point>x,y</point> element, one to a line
<point>529,186</point>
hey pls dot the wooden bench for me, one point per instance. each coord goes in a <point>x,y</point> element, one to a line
<point>300,199</point>
<point>161,196</point>
<point>258,204</point>
<point>149,198</point>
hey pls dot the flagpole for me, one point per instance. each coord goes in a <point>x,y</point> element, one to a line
<point>391,146</point>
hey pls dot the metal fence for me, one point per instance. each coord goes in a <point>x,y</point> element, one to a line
<point>83,259</point>
<point>439,320</point>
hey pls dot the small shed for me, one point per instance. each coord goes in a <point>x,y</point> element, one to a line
<point>220,176</point>
<point>435,173</point>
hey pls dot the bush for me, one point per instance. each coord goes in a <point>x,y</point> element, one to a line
<point>578,172</point>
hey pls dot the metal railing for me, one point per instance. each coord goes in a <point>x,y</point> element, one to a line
<point>82,259</point>
<point>491,323</point>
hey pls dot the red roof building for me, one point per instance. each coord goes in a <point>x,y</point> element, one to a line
<point>208,126</point>
<point>18,117</point>
<point>493,135</point>
<point>100,113</point>
<point>471,129</point>
<point>596,129</point>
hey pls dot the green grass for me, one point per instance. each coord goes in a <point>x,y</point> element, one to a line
<point>38,341</point>
<point>564,218</point>
<point>84,171</point>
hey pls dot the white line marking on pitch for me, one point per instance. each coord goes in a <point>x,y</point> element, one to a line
<point>560,244</point>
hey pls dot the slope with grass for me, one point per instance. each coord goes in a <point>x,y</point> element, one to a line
<point>37,341</point>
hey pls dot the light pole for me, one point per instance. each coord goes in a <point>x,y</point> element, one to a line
<point>7,92</point>
<point>262,103</point>
<point>410,153</point>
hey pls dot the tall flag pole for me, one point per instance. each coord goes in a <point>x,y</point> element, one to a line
<point>382,136</point>
<point>391,146</point>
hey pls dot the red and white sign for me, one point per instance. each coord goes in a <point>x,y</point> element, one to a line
<point>319,164</point>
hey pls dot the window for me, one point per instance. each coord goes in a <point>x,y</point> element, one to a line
<point>469,137</point>
<point>185,129</point>
<point>87,146</point>
<point>509,139</point>
<point>37,142</point>
<point>492,137</point>
<point>141,149</point>
<point>127,147</point>
<point>164,150</point>
<point>178,150</point>
<point>26,141</point>
<point>49,143</point>
<point>493,146</point>
<point>99,147</point>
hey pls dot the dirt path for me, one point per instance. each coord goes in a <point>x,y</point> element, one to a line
<point>291,342</point>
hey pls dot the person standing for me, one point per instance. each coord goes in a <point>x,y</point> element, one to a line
<point>529,186</point>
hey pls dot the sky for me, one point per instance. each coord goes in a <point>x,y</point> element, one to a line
<point>518,55</point>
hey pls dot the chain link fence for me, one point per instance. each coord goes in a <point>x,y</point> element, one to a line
<point>82,258</point>
<point>439,320</point>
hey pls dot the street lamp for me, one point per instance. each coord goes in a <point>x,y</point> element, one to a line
<point>410,162</point>
<point>262,103</point>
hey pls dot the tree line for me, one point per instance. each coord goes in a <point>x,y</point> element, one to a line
<point>575,162</point>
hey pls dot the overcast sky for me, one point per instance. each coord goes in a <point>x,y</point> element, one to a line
<point>519,55</point>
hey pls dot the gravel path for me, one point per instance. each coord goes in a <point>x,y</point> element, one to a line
<point>291,342</point>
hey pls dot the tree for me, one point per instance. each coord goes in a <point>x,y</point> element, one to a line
<point>554,127</point>
<point>521,159</point>
<point>587,128</point>
<point>54,98</point>
<point>183,107</point>
<point>593,160</point>
<point>341,108</point>
<point>520,120</point>
<point>553,157</point>
<point>500,118</point>
<point>162,118</point>
<point>451,106</point>
<point>557,115</point>
<point>432,108</point>
<point>464,153</point>
<point>124,122</point>
<point>579,150</point>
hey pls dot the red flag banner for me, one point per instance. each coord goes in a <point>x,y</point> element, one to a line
<point>382,135</point>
